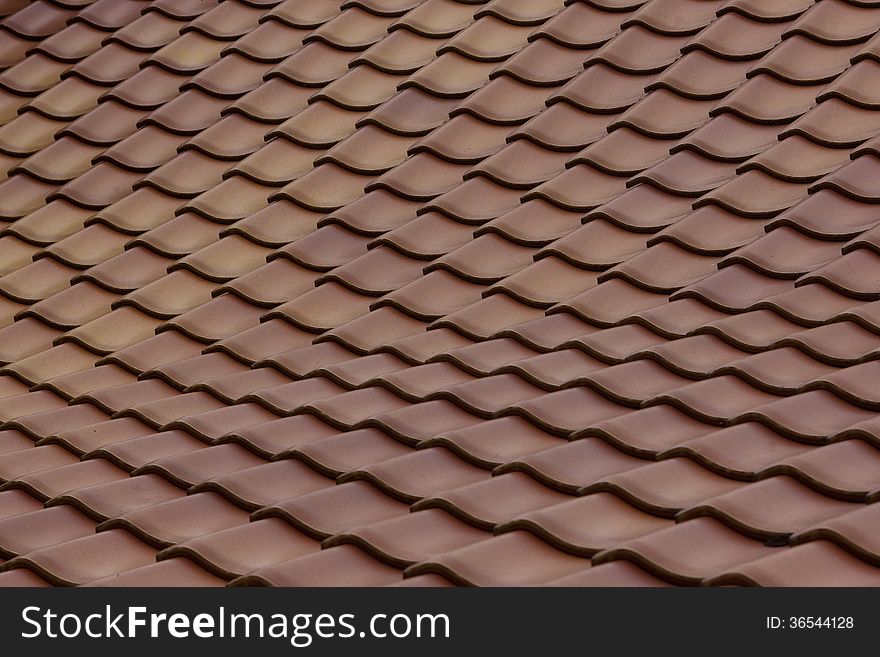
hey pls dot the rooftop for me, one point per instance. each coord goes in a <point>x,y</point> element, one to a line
<point>439,292</point>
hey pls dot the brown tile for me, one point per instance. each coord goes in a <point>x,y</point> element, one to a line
<point>582,26</point>
<point>836,22</point>
<point>189,113</point>
<point>148,89</point>
<point>233,552</point>
<point>603,89</point>
<point>436,18</point>
<point>768,100</point>
<point>479,443</point>
<point>612,345</point>
<point>475,201</point>
<point>489,562</point>
<point>108,66</point>
<point>811,416</point>
<point>110,499</point>
<point>615,573</point>
<point>137,452</point>
<point>586,525</point>
<point>171,572</point>
<point>170,295</point>
<point>665,488</point>
<point>785,507</point>
<point>417,475</point>
<point>362,88</point>
<point>811,303</point>
<point>680,18</point>
<point>846,531</point>
<point>165,410</point>
<point>264,485</point>
<point>450,75</point>
<point>705,401</point>
<point>16,502</point>
<point>276,163</point>
<point>421,346</point>
<point>53,482</point>
<point>144,150</point>
<point>504,101</point>
<point>495,500</point>
<point>325,188</point>
<point>488,39</point>
<point>855,84</point>
<point>565,127</point>
<point>369,150</point>
<point>270,337</point>
<point>402,51</point>
<point>27,133</point>
<point>543,62</point>
<point>744,451</point>
<point>374,213</point>
<point>55,361</point>
<point>335,455</point>
<point>85,439</point>
<point>321,124</point>
<point>316,64</point>
<point>150,31</point>
<point>851,475</point>
<point>689,552</point>
<point>628,432</point>
<point>43,424</point>
<point>38,20</point>
<point>663,267</point>
<point>336,509</point>
<point>737,36</point>
<point>116,330</point>
<point>802,254</point>
<point>179,519</point>
<point>23,195</point>
<point>21,577</point>
<point>73,385</point>
<point>609,303</point>
<point>643,208</point>
<point>108,123</point>
<point>188,54</point>
<point>269,42</point>
<point>344,565</point>
<point>99,187</point>
<point>580,188</point>
<point>798,567</point>
<point>277,224</point>
<point>835,123</point>
<point>188,468</point>
<point>38,229</point>
<point>72,43</point>
<point>85,559</point>
<point>412,538</point>
<point>233,386</point>
<point>800,59</point>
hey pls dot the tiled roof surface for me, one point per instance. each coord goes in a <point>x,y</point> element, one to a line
<point>430,292</point>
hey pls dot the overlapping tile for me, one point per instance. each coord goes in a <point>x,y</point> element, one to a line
<point>409,251</point>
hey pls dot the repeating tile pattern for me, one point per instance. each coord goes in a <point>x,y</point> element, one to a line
<point>439,292</point>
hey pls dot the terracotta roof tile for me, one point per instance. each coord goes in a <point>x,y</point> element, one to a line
<point>487,563</point>
<point>172,572</point>
<point>344,565</point>
<point>150,31</point>
<point>85,559</point>
<point>797,567</point>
